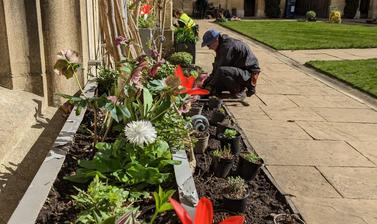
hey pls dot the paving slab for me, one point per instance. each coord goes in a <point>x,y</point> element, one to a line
<point>309,153</point>
<point>338,101</point>
<point>251,112</point>
<point>267,129</point>
<point>337,211</point>
<point>276,101</point>
<point>351,182</point>
<point>276,89</point>
<point>302,181</point>
<point>348,115</point>
<point>292,114</point>
<point>340,131</point>
<point>368,149</point>
<point>315,90</point>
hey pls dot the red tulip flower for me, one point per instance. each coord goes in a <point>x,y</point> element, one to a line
<point>203,214</point>
<point>146,9</point>
<point>188,83</point>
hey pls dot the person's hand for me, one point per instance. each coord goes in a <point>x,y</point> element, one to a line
<point>254,77</point>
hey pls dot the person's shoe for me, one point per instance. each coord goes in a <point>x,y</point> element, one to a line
<point>240,96</point>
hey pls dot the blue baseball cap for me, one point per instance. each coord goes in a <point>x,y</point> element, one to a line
<point>210,36</point>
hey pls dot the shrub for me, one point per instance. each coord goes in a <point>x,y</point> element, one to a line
<point>230,133</point>
<point>181,58</point>
<point>146,21</point>
<point>351,8</point>
<point>185,35</point>
<point>311,16</point>
<point>272,8</point>
<point>335,16</point>
<point>223,153</point>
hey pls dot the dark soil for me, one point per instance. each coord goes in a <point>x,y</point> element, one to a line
<point>265,201</point>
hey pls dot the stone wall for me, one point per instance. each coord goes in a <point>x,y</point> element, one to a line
<point>337,4</point>
<point>372,14</point>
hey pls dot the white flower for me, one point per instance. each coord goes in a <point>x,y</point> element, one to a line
<point>140,132</point>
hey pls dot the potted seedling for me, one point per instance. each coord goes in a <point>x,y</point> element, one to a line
<point>235,194</point>
<point>231,137</point>
<point>201,144</point>
<point>214,103</point>
<point>249,165</point>
<point>217,116</point>
<point>222,161</point>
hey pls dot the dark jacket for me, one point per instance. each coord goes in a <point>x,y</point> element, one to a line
<point>235,53</point>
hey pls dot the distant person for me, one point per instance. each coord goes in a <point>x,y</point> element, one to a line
<point>235,69</point>
<point>185,21</point>
<point>202,6</point>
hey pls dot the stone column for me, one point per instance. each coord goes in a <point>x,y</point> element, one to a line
<point>372,14</point>
<point>61,30</point>
<point>282,8</point>
<point>5,71</point>
<point>18,27</point>
<point>168,32</point>
<point>259,8</point>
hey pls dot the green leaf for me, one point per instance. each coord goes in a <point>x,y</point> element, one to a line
<point>147,101</point>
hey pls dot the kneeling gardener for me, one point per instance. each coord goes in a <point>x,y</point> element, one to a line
<point>235,69</point>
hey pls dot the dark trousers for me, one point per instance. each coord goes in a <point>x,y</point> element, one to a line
<point>231,79</point>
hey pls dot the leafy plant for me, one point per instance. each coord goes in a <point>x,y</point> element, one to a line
<point>181,58</point>
<point>251,157</point>
<point>311,16</point>
<point>185,35</point>
<point>101,202</point>
<point>230,133</point>
<point>225,153</point>
<point>272,8</point>
<point>147,21</point>
<point>161,199</point>
<point>173,129</point>
<point>203,213</point>
<point>237,187</point>
<point>128,164</point>
<point>106,80</point>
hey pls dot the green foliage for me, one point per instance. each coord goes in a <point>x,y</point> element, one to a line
<point>125,163</point>
<point>147,21</point>
<point>230,133</point>
<point>165,70</point>
<point>161,199</point>
<point>106,80</point>
<point>181,58</point>
<point>172,128</point>
<point>311,16</point>
<point>237,187</point>
<point>185,35</point>
<point>272,8</point>
<point>102,202</point>
<point>223,153</point>
<point>350,8</point>
<point>251,157</point>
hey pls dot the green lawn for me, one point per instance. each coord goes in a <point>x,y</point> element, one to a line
<point>294,35</point>
<point>361,74</point>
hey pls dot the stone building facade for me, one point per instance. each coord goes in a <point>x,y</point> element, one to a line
<point>32,32</point>
<point>242,8</point>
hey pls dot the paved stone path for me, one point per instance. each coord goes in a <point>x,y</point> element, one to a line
<point>319,143</point>
<point>303,56</point>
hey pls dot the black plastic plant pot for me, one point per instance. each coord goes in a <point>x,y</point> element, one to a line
<point>217,117</point>
<point>187,47</point>
<point>214,103</point>
<point>235,143</point>
<point>235,205</point>
<point>221,167</point>
<point>221,126</point>
<point>201,144</point>
<point>194,111</point>
<point>248,170</point>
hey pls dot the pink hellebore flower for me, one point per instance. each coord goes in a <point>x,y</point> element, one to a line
<point>67,63</point>
<point>68,55</point>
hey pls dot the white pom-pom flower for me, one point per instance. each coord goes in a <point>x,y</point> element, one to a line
<point>140,132</point>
